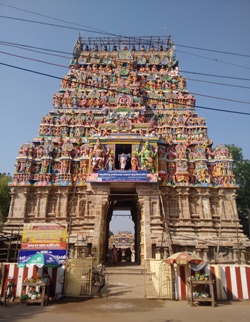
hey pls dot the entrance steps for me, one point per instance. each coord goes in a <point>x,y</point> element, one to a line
<point>125,280</point>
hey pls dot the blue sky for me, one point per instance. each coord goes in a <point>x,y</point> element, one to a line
<point>121,221</point>
<point>217,25</point>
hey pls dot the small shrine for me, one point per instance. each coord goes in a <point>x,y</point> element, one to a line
<point>123,134</point>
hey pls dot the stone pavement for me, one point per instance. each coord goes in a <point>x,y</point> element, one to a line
<point>124,280</point>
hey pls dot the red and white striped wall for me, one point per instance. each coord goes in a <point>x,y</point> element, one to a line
<point>232,282</point>
<point>11,271</point>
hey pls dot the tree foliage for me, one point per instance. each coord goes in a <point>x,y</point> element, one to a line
<point>4,195</point>
<point>241,169</point>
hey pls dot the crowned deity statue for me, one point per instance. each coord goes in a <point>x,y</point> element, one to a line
<point>148,157</point>
<point>134,161</point>
<point>98,156</point>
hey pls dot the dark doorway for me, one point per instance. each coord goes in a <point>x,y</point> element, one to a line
<point>120,149</point>
<point>123,203</point>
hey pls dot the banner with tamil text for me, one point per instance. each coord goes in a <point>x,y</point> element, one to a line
<point>37,236</point>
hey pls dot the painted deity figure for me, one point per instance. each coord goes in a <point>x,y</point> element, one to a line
<point>99,155</point>
<point>123,162</point>
<point>94,163</point>
<point>65,166</point>
<point>84,165</point>
<point>110,163</point>
<point>45,165</point>
<point>48,147</point>
<point>134,162</point>
<point>148,158</point>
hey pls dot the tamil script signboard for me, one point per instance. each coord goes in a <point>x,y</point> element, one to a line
<point>44,236</point>
<point>128,176</point>
<point>118,176</point>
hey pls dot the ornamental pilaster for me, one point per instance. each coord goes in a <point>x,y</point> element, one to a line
<point>206,206</point>
<point>221,197</point>
<point>58,202</point>
<point>200,204</point>
<point>43,204</point>
<point>186,206</point>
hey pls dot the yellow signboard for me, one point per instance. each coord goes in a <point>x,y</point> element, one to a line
<point>44,236</point>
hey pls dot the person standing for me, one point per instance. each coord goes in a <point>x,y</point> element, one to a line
<point>114,255</point>
<point>128,254</point>
<point>119,255</point>
<point>47,280</point>
<point>101,277</point>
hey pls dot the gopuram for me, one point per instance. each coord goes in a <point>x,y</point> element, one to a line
<point>123,134</point>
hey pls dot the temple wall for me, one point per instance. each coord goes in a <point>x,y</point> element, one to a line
<point>197,217</point>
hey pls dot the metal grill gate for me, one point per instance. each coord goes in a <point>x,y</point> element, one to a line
<point>78,277</point>
<point>158,279</point>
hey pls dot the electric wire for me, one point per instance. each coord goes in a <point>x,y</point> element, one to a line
<point>214,75</point>
<point>216,83</point>
<point>31,71</point>
<point>220,98</point>
<point>70,55</point>
<point>23,47</point>
<point>58,65</point>
<point>11,44</point>
<point>46,16</point>
<point>214,51</point>
<point>196,106</point>
<point>33,59</point>
<point>150,40</point>
<point>214,60</point>
<point>55,25</point>
<point>37,51</point>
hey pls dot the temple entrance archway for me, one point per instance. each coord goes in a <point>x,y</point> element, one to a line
<point>125,200</point>
<point>122,233</point>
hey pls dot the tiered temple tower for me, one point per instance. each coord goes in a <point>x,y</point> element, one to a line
<point>123,134</point>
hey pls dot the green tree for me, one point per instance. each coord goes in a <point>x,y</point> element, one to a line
<point>4,195</point>
<point>241,170</point>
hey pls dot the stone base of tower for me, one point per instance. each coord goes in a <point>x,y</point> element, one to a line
<point>167,219</point>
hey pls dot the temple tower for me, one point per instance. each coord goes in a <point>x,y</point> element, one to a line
<point>123,134</point>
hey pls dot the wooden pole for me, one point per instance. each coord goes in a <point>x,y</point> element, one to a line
<point>166,226</point>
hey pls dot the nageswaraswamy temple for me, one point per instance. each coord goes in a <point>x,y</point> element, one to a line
<point>123,134</point>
